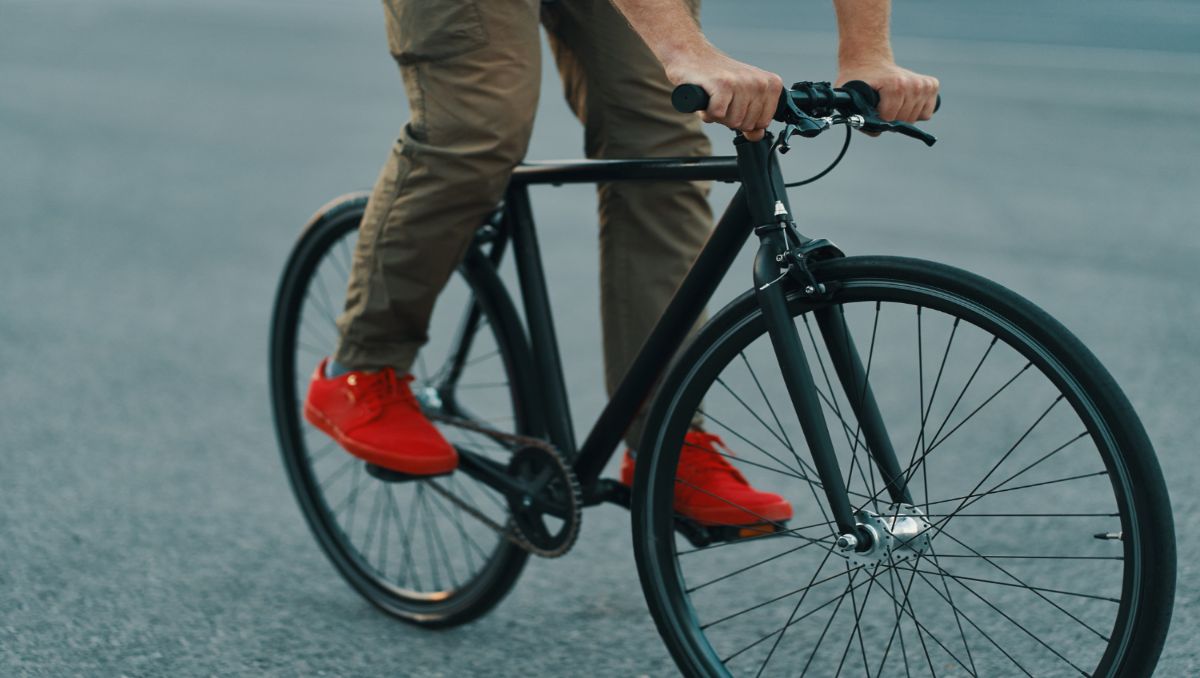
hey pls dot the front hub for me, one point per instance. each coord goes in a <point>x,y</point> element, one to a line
<point>900,533</point>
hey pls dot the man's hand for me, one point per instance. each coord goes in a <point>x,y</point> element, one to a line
<point>903,95</point>
<point>741,97</point>
<point>865,53</point>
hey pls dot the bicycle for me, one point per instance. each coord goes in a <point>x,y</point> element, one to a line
<point>947,446</point>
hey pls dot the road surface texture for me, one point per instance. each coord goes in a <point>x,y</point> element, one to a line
<point>158,158</point>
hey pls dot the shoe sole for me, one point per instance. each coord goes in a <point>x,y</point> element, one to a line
<point>378,457</point>
<point>780,512</point>
<point>723,517</point>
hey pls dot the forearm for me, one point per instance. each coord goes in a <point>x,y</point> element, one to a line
<point>865,53</point>
<point>863,32</point>
<point>666,26</point>
<point>740,96</point>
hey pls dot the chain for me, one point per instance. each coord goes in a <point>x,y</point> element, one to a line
<point>511,532</point>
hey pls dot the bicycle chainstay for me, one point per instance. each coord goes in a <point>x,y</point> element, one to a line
<point>512,531</point>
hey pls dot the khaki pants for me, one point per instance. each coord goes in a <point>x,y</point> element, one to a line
<point>471,69</point>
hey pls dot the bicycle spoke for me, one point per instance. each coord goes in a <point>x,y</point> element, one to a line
<point>744,540</point>
<point>832,616</point>
<point>435,571</point>
<point>922,628</point>
<point>1027,632</point>
<point>441,544</point>
<point>754,414</point>
<point>776,599</point>
<point>896,628</point>
<point>383,532</point>
<point>751,566</point>
<point>856,632</point>
<point>949,599</point>
<point>742,460</point>
<point>1019,581</point>
<point>322,452</point>
<point>372,523</point>
<point>347,259</point>
<point>976,626</point>
<point>862,397</point>
<point>938,442</point>
<point>410,538</point>
<point>326,307</point>
<point>831,401</point>
<point>836,599</point>
<point>736,505</point>
<point>973,497</point>
<point>708,417</point>
<point>1027,587</point>
<point>1014,476</point>
<point>1018,487</point>
<point>462,531</point>
<point>782,631</point>
<point>922,407</point>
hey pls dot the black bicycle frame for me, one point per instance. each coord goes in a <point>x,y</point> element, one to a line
<point>760,206</point>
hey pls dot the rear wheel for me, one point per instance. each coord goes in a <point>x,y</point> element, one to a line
<point>1046,547</point>
<point>405,545</point>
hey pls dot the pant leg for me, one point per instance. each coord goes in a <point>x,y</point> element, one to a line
<point>471,70</point>
<point>650,233</point>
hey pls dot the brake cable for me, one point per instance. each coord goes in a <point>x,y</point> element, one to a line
<point>783,148</point>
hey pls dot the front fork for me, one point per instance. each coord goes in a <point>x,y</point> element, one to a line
<point>767,200</point>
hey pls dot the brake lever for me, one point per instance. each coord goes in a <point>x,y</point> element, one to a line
<point>868,120</point>
<point>873,124</point>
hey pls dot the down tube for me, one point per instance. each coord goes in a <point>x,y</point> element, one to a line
<point>664,341</point>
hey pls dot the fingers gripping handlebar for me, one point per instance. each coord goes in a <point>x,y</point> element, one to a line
<point>806,101</point>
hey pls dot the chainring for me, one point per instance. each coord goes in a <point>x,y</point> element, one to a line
<point>526,526</point>
<point>552,492</point>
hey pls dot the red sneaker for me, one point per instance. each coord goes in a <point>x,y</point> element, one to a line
<point>375,416</point>
<point>711,491</point>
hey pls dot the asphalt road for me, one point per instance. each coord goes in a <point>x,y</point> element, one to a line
<point>159,159</point>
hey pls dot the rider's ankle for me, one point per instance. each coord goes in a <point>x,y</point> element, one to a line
<point>335,369</point>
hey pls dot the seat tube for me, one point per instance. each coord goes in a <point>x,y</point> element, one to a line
<point>767,202</point>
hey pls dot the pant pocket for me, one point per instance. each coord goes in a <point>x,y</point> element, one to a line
<point>429,30</point>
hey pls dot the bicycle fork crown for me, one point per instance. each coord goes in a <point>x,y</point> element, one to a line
<point>902,532</point>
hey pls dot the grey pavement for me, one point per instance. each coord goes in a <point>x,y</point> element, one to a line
<point>158,158</point>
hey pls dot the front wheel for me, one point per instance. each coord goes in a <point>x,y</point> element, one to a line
<point>1046,540</point>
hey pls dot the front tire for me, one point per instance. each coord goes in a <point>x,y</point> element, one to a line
<point>1045,455</point>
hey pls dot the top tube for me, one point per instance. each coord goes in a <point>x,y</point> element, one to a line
<point>720,168</point>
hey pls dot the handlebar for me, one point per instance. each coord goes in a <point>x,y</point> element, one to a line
<point>806,101</point>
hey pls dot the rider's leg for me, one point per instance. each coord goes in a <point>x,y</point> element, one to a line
<point>650,233</point>
<point>472,73</point>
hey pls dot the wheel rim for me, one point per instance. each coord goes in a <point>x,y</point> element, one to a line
<point>406,545</point>
<point>972,563</point>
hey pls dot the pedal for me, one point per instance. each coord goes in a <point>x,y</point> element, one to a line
<point>704,535</point>
<point>740,532</point>
<point>389,476</point>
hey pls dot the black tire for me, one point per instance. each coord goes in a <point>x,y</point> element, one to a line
<point>449,567</point>
<point>1029,555</point>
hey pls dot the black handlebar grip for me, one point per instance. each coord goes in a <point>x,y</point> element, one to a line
<point>692,98</point>
<point>870,96</point>
<point>689,98</point>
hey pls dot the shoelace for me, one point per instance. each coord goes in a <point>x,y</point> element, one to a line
<point>383,388</point>
<point>703,458</point>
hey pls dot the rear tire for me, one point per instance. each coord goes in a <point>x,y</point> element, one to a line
<point>1026,556</point>
<point>411,551</point>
